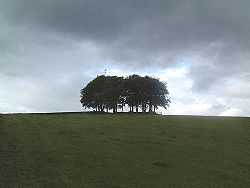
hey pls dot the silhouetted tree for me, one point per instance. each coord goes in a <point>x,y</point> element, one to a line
<point>156,94</point>
<point>112,92</point>
<point>103,92</point>
<point>133,91</point>
<point>93,96</point>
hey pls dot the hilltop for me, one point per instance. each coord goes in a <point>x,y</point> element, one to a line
<point>83,150</point>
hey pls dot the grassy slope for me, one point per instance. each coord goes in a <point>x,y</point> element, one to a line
<point>124,151</point>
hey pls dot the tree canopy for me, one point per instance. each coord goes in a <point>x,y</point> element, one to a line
<point>136,92</point>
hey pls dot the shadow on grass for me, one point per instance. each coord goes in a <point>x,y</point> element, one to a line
<point>162,164</point>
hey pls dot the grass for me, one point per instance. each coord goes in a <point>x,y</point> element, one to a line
<point>75,150</point>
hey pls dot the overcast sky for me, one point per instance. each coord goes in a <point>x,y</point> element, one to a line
<point>50,49</point>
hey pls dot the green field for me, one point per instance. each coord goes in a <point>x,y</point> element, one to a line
<point>76,150</point>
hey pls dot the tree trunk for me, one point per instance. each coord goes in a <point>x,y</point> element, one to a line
<point>143,107</point>
<point>150,108</point>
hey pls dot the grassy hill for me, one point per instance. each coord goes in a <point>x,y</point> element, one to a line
<point>76,150</point>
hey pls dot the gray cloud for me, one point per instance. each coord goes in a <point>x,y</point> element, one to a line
<point>78,39</point>
<point>136,29</point>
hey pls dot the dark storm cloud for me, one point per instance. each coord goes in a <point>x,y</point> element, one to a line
<point>158,21</point>
<point>132,30</point>
<point>214,36</point>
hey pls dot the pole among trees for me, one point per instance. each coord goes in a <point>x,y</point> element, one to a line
<point>136,92</point>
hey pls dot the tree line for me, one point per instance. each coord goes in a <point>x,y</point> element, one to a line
<point>136,92</point>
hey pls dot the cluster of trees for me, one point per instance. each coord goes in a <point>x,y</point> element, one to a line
<point>136,92</point>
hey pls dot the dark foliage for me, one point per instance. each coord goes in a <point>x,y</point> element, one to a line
<point>112,92</point>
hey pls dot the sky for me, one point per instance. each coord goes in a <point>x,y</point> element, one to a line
<point>51,49</point>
